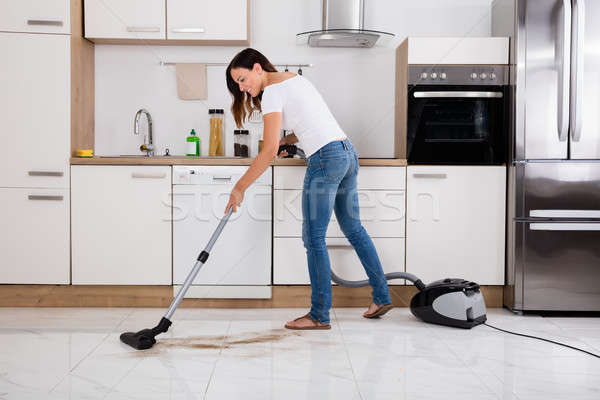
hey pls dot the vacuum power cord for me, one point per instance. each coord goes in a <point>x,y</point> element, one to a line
<point>545,340</point>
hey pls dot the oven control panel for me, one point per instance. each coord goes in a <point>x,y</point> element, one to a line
<point>458,74</point>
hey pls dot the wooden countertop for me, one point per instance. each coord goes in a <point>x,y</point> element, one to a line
<point>182,160</point>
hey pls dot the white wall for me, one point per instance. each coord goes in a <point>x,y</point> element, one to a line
<point>358,84</point>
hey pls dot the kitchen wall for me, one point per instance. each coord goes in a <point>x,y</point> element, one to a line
<point>358,84</point>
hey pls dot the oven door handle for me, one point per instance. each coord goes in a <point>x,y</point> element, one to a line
<point>460,94</point>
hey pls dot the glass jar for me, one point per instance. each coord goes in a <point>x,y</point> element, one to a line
<point>216,145</point>
<point>241,143</point>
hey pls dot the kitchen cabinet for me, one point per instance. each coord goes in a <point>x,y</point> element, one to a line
<point>124,19</point>
<point>207,20</point>
<point>35,80</point>
<point>193,22</point>
<point>121,225</point>
<point>456,223</point>
<point>34,239</point>
<point>381,198</point>
<point>35,16</point>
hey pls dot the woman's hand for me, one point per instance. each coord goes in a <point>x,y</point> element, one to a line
<point>282,142</point>
<point>235,199</point>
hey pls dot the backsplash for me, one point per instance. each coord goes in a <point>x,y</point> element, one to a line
<point>357,84</point>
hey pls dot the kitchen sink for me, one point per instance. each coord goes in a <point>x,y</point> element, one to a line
<point>129,155</point>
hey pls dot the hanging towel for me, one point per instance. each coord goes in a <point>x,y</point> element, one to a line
<point>191,81</point>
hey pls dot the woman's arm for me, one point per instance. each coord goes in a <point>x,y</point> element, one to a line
<point>272,127</point>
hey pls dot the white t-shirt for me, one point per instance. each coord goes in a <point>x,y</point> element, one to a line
<point>303,111</point>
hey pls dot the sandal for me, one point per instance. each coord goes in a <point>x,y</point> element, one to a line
<point>380,311</point>
<point>316,324</point>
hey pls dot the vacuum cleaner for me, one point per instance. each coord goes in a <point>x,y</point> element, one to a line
<point>451,302</point>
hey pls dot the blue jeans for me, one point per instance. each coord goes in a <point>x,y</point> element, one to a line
<point>330,184</point>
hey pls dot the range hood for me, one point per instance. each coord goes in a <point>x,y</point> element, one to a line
<point>343,22</point>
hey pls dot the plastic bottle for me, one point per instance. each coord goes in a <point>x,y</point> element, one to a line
<point>193,145</point>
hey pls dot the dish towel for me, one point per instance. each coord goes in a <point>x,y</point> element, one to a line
<point>191,81</point>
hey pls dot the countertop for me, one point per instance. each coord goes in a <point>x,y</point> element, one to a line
<point>183,160</point>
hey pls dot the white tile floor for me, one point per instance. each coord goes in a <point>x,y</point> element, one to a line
<point>74,353</point>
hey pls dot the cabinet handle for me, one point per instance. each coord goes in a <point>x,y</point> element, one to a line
<point>143,29</point>
<point>339,246</point>
<point>45,173</point>
<point>430,176</point>
<point>44,197</point>
<point>141,175</point>
<point>44,22</point>
<point>187,30</point>
<point>221,178</point>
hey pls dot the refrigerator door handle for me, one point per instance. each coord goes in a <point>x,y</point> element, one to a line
<point>577,68</point>
<point>564,214</point>
<point>564,226</point>
<point>564,73</point>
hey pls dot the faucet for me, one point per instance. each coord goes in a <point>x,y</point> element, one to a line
<point>149,146</point>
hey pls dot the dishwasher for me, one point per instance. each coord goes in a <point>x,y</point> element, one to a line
<point>240,262</point>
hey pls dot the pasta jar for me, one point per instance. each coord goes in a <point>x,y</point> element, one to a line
<point>216,145</point>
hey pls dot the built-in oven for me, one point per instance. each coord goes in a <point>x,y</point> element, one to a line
<point>457,114</point>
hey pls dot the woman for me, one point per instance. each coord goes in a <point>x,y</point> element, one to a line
<point>290,101</point>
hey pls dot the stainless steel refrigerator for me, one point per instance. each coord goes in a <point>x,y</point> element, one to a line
<point>553,221</point>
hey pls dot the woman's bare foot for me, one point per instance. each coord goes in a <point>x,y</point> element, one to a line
<point>306,322</point>
<point>376,310</point>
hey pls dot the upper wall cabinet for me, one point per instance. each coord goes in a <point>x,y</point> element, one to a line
<point>222,20</point>
<point>37,16</point>
<point>124,19</point>
<point>164,22</point>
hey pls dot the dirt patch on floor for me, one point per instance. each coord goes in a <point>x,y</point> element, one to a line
<point>226,342</point>
<point>218,342</point>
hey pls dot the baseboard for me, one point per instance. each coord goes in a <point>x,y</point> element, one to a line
<point>161,296</point>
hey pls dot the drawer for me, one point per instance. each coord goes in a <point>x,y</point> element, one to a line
<point>290,266</point>
<point>381,212</point>
<point>369,178</point>
<point>31,16</point>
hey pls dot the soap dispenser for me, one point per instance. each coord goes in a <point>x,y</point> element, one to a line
<point>193,145</point>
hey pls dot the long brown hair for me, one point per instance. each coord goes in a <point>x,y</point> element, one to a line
<point>243,103</point>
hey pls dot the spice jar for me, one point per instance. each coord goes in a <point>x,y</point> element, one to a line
<point>240,143</point>
<point>216,145</point>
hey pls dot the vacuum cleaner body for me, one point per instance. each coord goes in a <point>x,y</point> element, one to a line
<point>452,302</point>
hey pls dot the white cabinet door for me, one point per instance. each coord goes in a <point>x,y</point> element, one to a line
<point>381,213</point>
<point>455,223</point>
<point>290,266</point>
<point>121,225</point>
<point>35,101</point>
<point>39,16</point>
<point>207,19</point>
<point>124,19</point>
<point>34,239</point>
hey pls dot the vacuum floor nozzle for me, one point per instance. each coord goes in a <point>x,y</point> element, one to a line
<point>145,339</point>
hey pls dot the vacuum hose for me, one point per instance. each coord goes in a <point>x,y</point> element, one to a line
<point>390,275</point>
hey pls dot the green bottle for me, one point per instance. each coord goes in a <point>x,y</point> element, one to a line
<point>193,145</point>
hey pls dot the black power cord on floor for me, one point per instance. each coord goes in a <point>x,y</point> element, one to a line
<point>545,340</point>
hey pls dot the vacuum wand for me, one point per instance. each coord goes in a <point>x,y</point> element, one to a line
<point>202,257</point>
<point>145,338</point>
